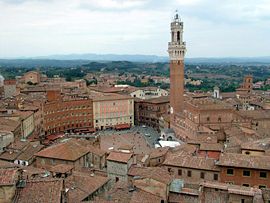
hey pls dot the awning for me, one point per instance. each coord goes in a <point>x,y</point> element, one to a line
<point>54,137</point>
<point>122,126</point>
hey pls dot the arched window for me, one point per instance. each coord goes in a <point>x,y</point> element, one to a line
<point>172,36</point>
<point>178,36</point>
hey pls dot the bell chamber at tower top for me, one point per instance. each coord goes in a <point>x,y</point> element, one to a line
<point>177,47</point>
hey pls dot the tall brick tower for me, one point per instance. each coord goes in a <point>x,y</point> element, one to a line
<point>177,49</point>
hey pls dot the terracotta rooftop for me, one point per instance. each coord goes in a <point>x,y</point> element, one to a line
<point>13,151</point>
<point>211,147</point>
<point>258,145</point>
<point>29,107</point>
<point>140,196</point>
<point>9,155</point>
<point>91,148</point>
<point>30,172</point>
<point>81,185</point>
<point>119,156</point>
<point>244,161</point>
<point>233,189</point>
<point>183,149</point>
<point>188,161</point>
<point>256,114</point>
<point>29,152</point>
<point>203,139</point>
<point>158,100</point>
<point>69,150</point>
<point>8,124</point>
<point>23,114</point>
<point>108,96</point>
<point>129,138</point>
<point>8,176</point>
<point>41,191</point>
<point>126,147</point>
<point>158,152</point>
<point>61,168</point>
<point>105,89</point>
<point>227,95</point>
<point>119,193</point>
<point>18,145</point>
<point>7,164</point>
<point>157,173</point>
<point>209,104</point>
<point>189,191</point>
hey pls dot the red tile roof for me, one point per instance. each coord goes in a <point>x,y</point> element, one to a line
<point>28,153</point>
<point>7,164</point>
<point>187,161</point>
<point>119,157</point>
<point>157,173</point>
<point>233,189</point>
<point>140,196</point>
<point>61,168</point>
<point>244,161</point>
<point>8,124</point>
<point>8,176</point>
<point>258,145</point>
<point>159,152</point>
<point>69,150</point>
<point>41,191</point>
<point>211,147</point>
<point>119,193</point>
<point>92,149</point>
<point>81,185</point>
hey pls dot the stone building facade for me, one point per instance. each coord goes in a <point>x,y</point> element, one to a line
<point>32,76</point>
<point>113,111</point>
<point>69,153</point>
<point>6,138</point>
<point>67,116</point>
<point>9,88</point>
<point>118,164</point>
<point>192,169</point>
<point>149,112</point>
<point>203,116</point>
<point>245,170</point>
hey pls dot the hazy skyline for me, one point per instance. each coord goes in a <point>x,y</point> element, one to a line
<point>212,28</point>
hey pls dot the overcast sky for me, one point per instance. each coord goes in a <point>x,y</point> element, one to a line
<point>212,28</point>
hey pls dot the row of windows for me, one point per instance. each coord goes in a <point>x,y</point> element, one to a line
<point>113,114</point>
<point>67,115</point>
<point>83,122</point>
<point>68,109</point>
<point>189,174</point>
<point>246,173</point>
<point>113,119</point>
<point>55,127</point>
<point>108,104</point>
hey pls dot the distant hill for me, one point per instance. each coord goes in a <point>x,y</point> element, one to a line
<point>72,60</point>
<point>107,57</point>
<point>153,58</point>
<point>232,60</point>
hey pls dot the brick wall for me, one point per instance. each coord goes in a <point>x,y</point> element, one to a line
<point>60,116</point>
<point>183,173</point>
<point>239,179</point>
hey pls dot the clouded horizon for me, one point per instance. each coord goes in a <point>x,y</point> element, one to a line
<point>212,28</point>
